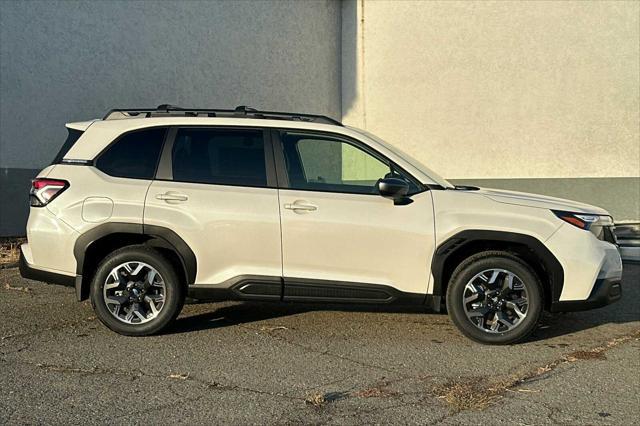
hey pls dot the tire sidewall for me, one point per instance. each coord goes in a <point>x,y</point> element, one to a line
<point>174,294</point>
<point>467,270</point>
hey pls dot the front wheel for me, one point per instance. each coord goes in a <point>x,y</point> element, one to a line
<point>495,298</point>
<point>136,292</point>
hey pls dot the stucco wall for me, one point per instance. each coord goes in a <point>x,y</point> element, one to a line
<point>498,89</point>
<point>71,61</point>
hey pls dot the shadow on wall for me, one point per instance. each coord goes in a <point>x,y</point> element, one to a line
<point>14,208</point>
<point>350,57</point>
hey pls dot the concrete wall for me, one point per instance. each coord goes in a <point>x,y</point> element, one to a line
<point>503,93</point>
<point>71,61</point>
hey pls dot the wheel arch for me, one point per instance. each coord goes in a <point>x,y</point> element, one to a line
<point>460,246</point>
<point>92,246</point>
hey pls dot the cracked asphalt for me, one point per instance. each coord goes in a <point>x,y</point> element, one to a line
<point>240,363</point>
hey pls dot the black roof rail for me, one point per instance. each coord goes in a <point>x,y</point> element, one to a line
<point>242,111</point>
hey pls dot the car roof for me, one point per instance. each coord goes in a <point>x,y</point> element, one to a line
<point>100,133</point>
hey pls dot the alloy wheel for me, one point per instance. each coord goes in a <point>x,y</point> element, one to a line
<point>495,300</point>
<point>134,292</point>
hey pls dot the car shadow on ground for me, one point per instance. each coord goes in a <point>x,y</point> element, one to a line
<point>625,310</point>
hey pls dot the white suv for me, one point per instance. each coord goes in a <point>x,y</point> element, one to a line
<point>148,206</point>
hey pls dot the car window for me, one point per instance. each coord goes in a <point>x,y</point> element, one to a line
<point>72,137</point>
<point>134,155</point>
<point>219,156</point>
<point>328,164</point>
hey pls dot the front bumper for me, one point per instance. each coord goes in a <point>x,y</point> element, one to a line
<point>605,291</point>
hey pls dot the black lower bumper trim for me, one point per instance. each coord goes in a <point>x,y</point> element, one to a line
<point>605,292</point>
<point>39,275</point>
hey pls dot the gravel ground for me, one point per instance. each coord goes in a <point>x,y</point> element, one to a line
<point>239,363</point>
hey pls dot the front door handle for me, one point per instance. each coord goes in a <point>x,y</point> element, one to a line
<point>172,197</point>
<point>301,206</point>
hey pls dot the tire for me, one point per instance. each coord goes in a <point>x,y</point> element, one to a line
<point>155,283</point>
<point>476,305</point>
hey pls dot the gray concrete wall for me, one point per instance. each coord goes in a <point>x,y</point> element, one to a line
<point>72,61</point>
<point>620,196</point>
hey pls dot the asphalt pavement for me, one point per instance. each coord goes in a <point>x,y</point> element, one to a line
<point>250,363</point>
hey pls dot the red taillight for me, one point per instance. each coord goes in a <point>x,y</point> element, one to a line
<point>44,190</point>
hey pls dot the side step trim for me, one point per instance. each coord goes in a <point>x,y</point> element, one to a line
<point>268,288</point>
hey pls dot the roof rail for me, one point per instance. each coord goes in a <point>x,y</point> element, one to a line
<point>242,111</point>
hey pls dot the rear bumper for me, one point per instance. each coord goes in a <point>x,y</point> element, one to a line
<point>29,272</point>
<point>605,291</point>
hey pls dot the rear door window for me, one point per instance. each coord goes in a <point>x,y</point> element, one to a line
<point>220,156</point>
<point>135,155</point>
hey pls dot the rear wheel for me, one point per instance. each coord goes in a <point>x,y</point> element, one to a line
<point>136,291</point>
<point>495,298</point>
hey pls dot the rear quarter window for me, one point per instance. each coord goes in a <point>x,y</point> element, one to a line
<point>134,155</point>
<point>72,138</point>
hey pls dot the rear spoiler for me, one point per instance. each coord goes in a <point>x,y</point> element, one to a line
<point>80,125</point>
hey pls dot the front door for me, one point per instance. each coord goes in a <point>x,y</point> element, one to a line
<point>340,238</point>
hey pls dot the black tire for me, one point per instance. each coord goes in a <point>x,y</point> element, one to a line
<point>478,263</point>
<point>173,288</point>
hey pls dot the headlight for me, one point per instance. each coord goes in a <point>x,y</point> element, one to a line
<point>584,221</point>
<point>600,226</point>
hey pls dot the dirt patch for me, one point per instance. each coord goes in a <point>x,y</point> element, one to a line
<point>10,287</point>
<point>475,393</point>
<point>381,390</point>
<point>318,399</point>
<point>585,355</point>
<point>478,393</point>
<point>10,251</point>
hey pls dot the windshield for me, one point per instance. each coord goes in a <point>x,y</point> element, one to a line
<point>409,159</point>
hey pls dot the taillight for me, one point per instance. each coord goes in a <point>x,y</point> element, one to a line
<point>44,190</point>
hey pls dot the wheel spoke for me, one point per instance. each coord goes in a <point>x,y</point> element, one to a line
<point>508,282</point>
<point>476,292</point>
<point>139,314</point>
<point>152,304</point>
<point>138,269</point>
<point>502,319</point>
<point>495,323</point>
<point>151,275</point>
<point>130,314</point>
<point>116,300</point>
<point>471,298</point>
<point>478,312</point>
<point>515,308</point>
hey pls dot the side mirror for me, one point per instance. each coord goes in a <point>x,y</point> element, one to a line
<point>395,189</point>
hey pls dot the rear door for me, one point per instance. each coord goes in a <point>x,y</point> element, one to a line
<point>216,189</point>
<point>340,238</point>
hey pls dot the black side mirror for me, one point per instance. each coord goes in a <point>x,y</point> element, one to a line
<point>395,189</point>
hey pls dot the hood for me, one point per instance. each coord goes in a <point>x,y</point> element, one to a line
<point>539,201</point>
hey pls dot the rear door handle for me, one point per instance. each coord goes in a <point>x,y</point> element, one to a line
<point>172,197</point>
<point>301,206</point>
